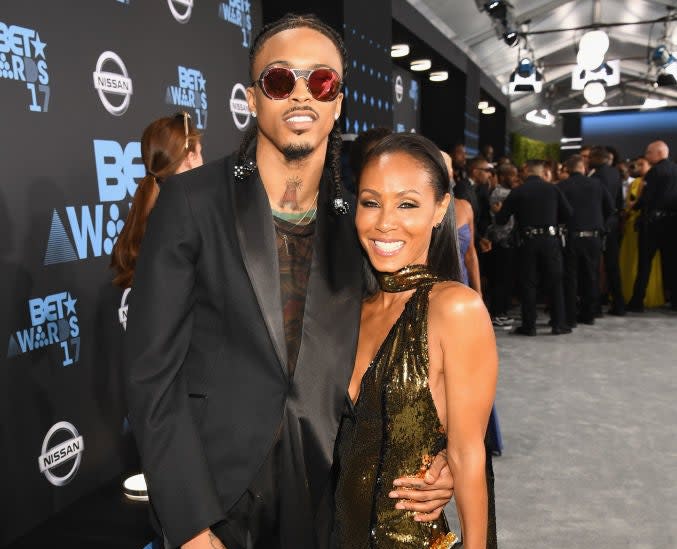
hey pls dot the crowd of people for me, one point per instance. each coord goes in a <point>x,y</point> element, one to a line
<point>588,232</point>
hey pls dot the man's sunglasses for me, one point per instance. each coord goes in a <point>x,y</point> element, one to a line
<point>324,84</point>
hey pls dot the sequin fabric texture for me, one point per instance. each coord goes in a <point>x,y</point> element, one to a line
<point>393,430</point>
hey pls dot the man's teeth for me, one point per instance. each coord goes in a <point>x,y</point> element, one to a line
<point>299,118</point>
<point>388,246</point>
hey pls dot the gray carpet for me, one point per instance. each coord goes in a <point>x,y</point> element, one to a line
<point>589,423</point>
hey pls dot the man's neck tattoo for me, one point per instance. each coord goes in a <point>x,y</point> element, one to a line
<point>290,198</point>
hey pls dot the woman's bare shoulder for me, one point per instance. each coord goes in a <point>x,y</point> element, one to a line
<point>455,302</point>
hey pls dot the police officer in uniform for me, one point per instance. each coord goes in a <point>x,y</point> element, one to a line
<point>592,205</point>
<point>610,177</point>
<point>538,208</point>
<point>657,225</point>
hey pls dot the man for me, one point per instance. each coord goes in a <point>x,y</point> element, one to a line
<point>657,224</point>
<point>539,208</point>
<point>592,205</point>
<point>585,155</point>
<point>458,157</point>
<point>502,248</point>
<point>243,326</point>
<point>611,179</point>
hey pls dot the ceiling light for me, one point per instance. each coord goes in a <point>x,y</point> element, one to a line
<point>541,117</point>
<point>591,49</point>
<point>439,76</point>
<point>594,93</point>
<point>399,50</point>
<point>420,65</point>
<point>489,110</point>
<point>482,105</point>
<point>510,38</point>
<point>651,103</point>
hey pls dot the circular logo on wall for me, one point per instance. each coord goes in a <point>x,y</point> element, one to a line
<point>109,83</point>
<point>239,106</point>
<point>61,453</point>
<point>399,89</point>
<point>185,5</point>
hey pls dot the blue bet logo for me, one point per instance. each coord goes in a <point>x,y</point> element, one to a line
<point>116,169</point>
<point>51,308</point>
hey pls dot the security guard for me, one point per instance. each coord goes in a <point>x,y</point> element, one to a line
<point>592,205</point>
<point>538,208</point>
<point>657,225</point>
<point>610,177</point>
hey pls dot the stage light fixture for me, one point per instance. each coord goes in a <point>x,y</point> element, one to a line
<point>399,50</point>
<point>594,92</point>
<point>420,65</point>
<point>489,110</point>
<point>496,9</point>
<point>662,57</point>
<point>665,79</point>
<point>439,76</point>
<point>510,38</point>
<point>482,105</point>
<point>525,78</point>
<point>135,488</point>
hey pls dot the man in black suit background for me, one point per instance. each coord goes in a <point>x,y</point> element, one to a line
<point>243,325</point>
<point>657,225</point>
<point>611,179</point>
<point>592,205</point>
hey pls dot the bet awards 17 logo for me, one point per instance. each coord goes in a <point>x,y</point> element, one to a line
<point>238,13</point>
<point>90,230</point>
<point>191,92</point>
<point>54,321</point>
<point>114,88</point>
<point>181,9</point>
<point>22,59</point>
<point>61,453</point>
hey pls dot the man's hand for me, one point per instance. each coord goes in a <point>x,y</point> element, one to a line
<point>485,245</point>
<point>204,540</point>
<point>426,496</point>
<point>496,207</point>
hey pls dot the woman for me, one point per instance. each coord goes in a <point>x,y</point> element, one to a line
<point>629,253</point>
<point>169,146</point>
<point>426,365</point>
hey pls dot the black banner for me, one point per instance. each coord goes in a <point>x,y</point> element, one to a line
<point>79,81</point>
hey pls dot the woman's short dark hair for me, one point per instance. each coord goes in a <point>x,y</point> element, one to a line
<point>443,253</point>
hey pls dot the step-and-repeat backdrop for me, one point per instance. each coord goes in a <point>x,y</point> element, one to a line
<point>79,81</point>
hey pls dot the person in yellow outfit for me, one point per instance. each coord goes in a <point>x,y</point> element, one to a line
<point>629,251</point>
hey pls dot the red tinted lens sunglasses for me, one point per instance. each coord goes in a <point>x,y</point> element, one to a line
<point>278,82</point>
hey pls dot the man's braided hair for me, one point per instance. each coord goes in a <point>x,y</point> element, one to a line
<point>293,21</point>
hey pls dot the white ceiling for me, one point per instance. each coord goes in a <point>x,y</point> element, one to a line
<point>471,29</point>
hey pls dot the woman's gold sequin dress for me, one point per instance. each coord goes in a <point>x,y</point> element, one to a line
<point>393,431</point>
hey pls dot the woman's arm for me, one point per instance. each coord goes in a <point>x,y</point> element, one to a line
<point>470,367</point>
<point>472,264</point>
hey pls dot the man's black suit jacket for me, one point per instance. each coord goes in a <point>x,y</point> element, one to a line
<point>205,353</point>
<point>660,192</point>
